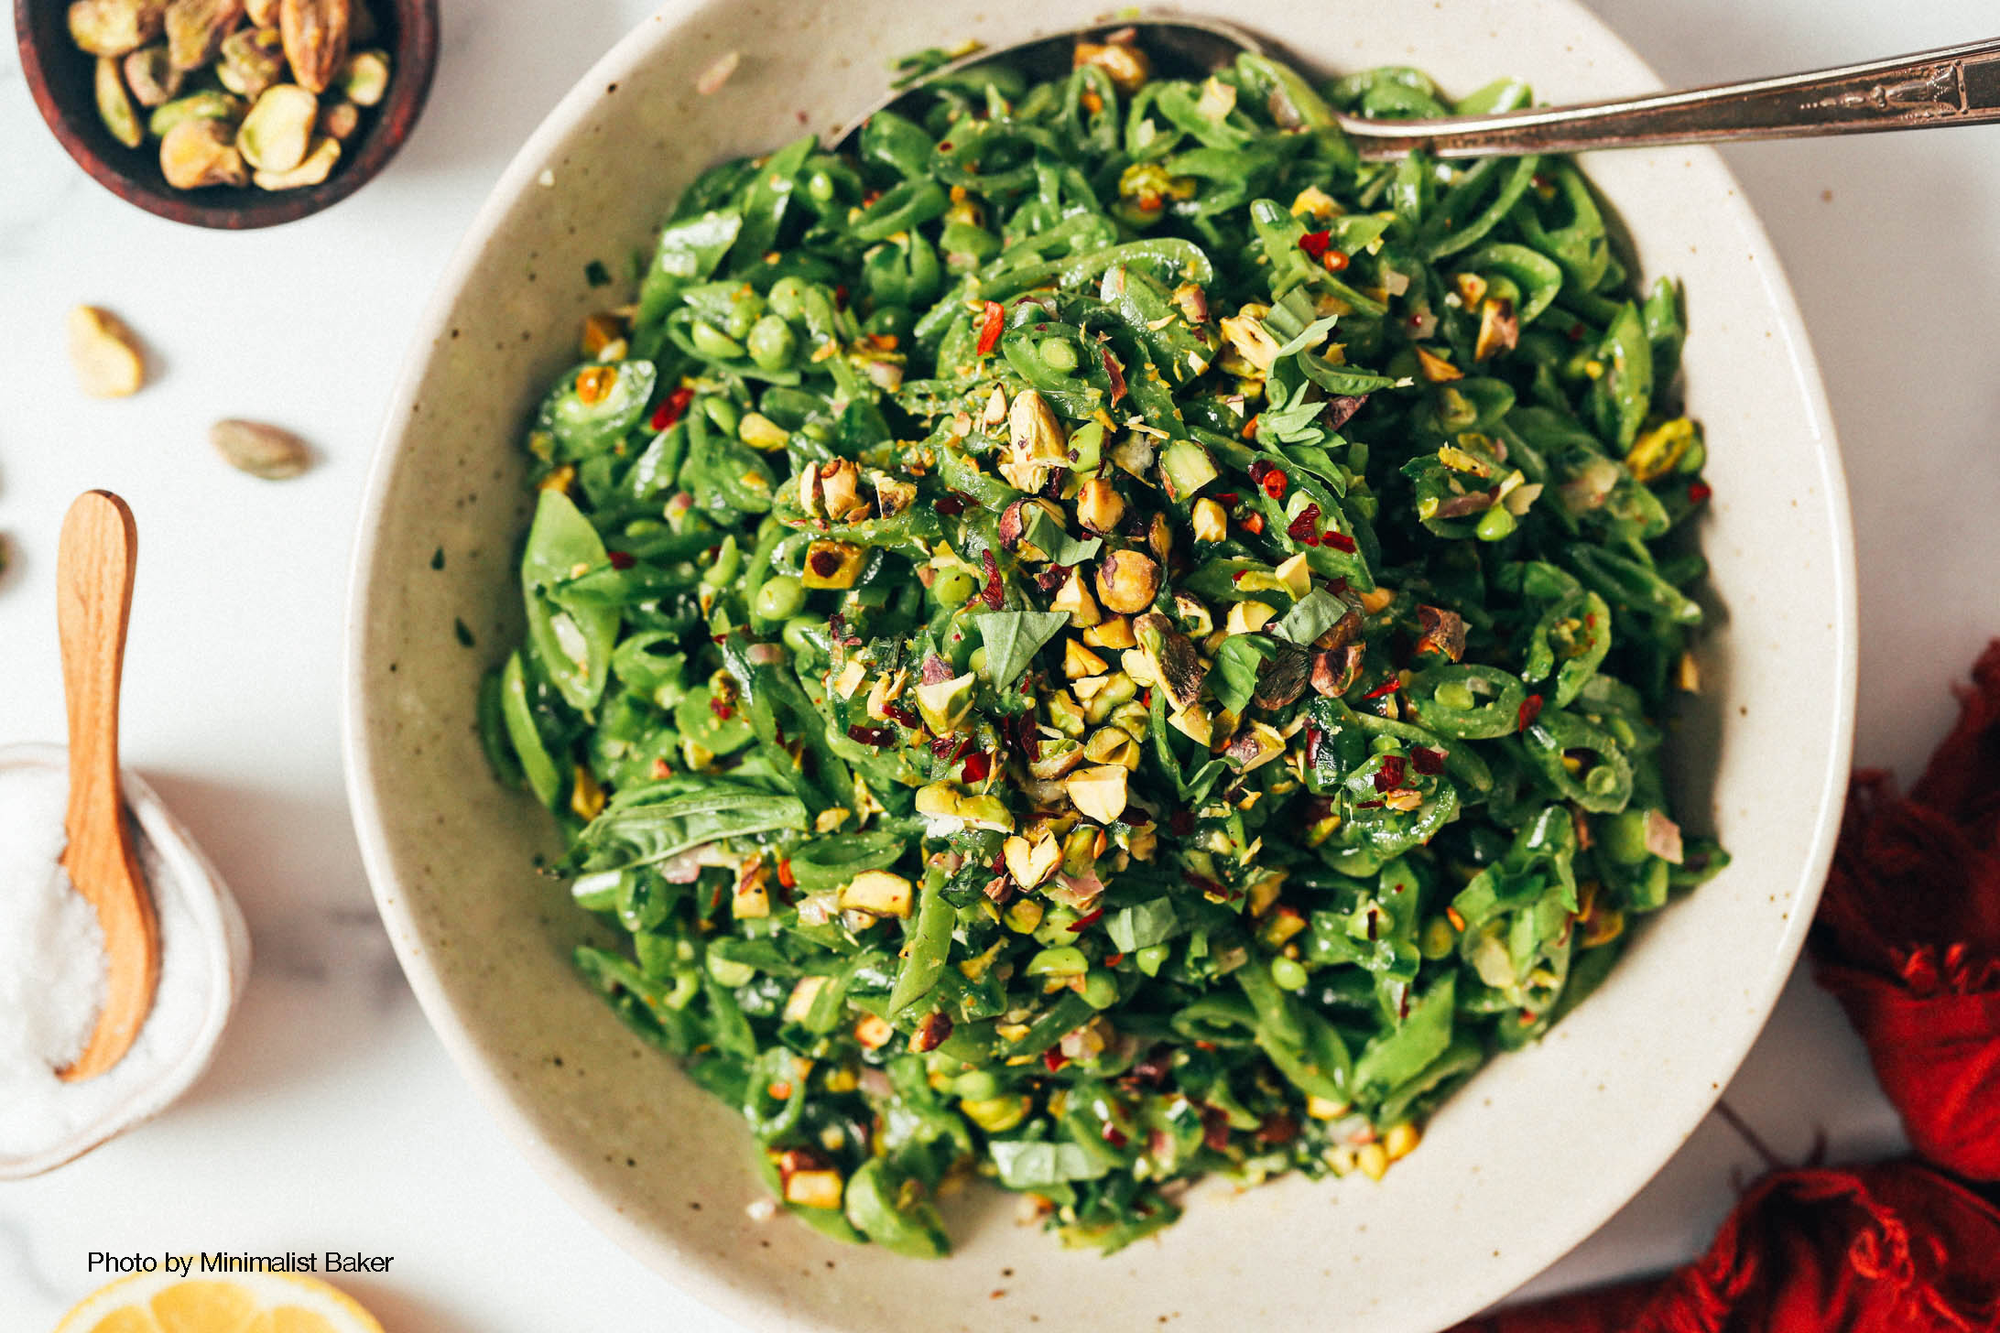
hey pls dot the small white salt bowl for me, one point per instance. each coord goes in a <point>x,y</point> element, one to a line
<point>198,915</point>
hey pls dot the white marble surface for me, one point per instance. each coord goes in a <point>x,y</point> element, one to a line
<point>332,1119</point>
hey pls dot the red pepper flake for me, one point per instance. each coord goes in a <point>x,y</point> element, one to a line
<point>1253,523</point>
<point>1390,775</point>
<point>671,408</point>
<point>1115,1136</point>
<point>840,296</point>
<point>903,715</point>
<point>1334,261</point>
<point>1426,760</point>
<point>1531,708</point>
<point>1215,1128</point>
<point>1389,686</point>
<point>1227,498</point>
<point>825,563</point>
<point>1305,528</point>
<point>1260,468</point>
<point>1114,959</point>
<point>1084,923</point>
<point>1113,372</point>
<point>876,737</point>
<point>1181,823</point>
<point>1250,426</point>
<point>1314,738</point>
<point>1275,482</point>
<point>1277,1128</point>
<point>992,594</point>
<point>1369,805</point>
<point>976,767</point>
<point>1053,1059</point>
<point>785,876</point>
<point>1136,817</point>
<point>951,506</point>
<point>620,559</point>
<point>1146,698</point>
<point>1316,243</point>
<point>945,147</point>
<point>721,709</point>
<point>1699,491</point>
<point>989,327</point>
<point>1339,541</point>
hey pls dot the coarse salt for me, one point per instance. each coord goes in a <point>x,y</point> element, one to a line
<point>52,979</point>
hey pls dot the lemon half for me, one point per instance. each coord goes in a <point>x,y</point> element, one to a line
<point>239,1303</point>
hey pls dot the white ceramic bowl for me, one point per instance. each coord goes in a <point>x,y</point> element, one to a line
<point>1524,1163</point>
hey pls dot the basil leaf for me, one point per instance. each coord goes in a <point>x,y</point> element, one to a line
<point>647,824</point>
<point>1028,1164</point>
<point>1013,638</point>
<point>1237,662</point>
<point>1142,925</point>
<point>1044,534</point>
<point>1309,336</point>
<point>1313,615</point>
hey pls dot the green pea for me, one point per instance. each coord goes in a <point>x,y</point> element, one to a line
<point>1623,837</point>
<point>895,320</point>
<point>820,186</point>
<point>1152,958</point>
<point>744,312</point>
<point>818,432</point>
<point>1100,990</point>
<point>723,413</point>
<point>978,662</point>
<point>1601,780</point>
<point>1058,354</point>
<point>780,598</point>
<point>979,1085</point>
<point>1288,974</point>
<point>772,342</point>
<point>1438,938</point>
<point>1495,523</point>
<point>731,973</point>
<point>788,297</point>
<point>1692,461</point>
<point>796,629</point>
<point>1456,697</point>
<point>711,341</point>
<point>954,587</point>
<point>1062,961</point>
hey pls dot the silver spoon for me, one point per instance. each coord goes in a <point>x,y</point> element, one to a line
<point>1954,85</point>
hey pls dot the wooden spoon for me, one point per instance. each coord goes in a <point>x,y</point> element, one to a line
<point>94,564</point>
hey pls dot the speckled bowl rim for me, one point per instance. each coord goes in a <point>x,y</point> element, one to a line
<point>700,1274</point>
<point>219,927</point>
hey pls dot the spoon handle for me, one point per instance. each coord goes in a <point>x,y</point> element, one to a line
<point>1955,85</point>
<point>98,551</point>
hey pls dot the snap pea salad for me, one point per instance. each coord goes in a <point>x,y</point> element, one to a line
<point>1098,639</point>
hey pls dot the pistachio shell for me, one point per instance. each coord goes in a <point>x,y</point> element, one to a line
<point>261,450</point>
<point>114,27</point>
<point>314,169</point>
<point>315,35</point>
<point>105,354</point>
<point>199,152</point>
<point>195,29</point>
<point>253,59</point>
<point>365,77</point>
<point>274,136</point>
<point>151,76</point>
<point>208,104</point>
<point>114,104</point>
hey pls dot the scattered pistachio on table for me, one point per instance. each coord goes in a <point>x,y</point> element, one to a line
<point>105,354</point>
<point>278,85</point>
<point>262,450</point>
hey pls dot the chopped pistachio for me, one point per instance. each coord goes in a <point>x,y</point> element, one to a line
<point>151,76</point>
<point>1031,862</point>
<point>1248,617</point>
<point>199,152</point>
<point>879,892</point>
<point>114,27</point>
<point>833,564</point>
<point>315,36</point>
<point>313,170</point>
<point>1099,792</point>
<point>274,135</point>
<point>104,353</point>
<point>207,104</point>
<point>1126,65</point>
<point>365,77</point>
<point>195,29</point>
<point>1099,507</point>
<point>1211,521</point>
<point>253,59</point>
<point>1127,581</point>
<point>114,104</point>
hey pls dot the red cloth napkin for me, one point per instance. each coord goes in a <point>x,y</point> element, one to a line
<point>1908,940</point>
<point>1908,936</point>
<point>1892,1248</point>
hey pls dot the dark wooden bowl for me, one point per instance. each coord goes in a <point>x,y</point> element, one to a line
<point>61,78</point>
